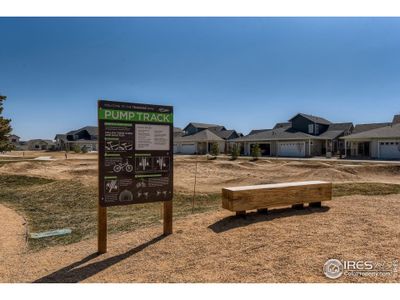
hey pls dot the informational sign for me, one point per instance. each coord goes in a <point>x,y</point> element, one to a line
<point>135,153</point>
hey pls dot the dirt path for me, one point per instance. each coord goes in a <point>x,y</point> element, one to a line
<point>284,246</point>
<point>12,244</point>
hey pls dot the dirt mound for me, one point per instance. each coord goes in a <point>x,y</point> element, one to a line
<point>84,171</point>
<point>18,167</point>
<point>248,164</point>
<point>330,175</point>
<point>308,165</point>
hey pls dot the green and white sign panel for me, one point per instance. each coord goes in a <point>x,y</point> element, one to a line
<point>135,153</point>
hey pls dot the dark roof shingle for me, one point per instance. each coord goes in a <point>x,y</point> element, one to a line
<point>312,118</point>
<point>202,136</point>
<point>391,131</point>
<point>369,126</point>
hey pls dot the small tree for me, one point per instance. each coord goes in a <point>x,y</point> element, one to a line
<point>256,152</point>
<point>235,152</point>
<point>85,149</point>
<point>76,149</point>
<point>5,130</point>
<point>214,149</point>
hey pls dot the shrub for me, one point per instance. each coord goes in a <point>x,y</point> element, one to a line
<point>76,149</point>
<point>256,152</point>
<point>235,152</point>
<point>214,149</point>
<point>85,149</point>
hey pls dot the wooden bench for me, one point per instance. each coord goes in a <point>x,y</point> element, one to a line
<point>262,197</point>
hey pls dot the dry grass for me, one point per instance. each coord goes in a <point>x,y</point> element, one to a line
<point>54,204</point>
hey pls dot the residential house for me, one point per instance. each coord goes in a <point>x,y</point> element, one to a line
<point>303,136</point>
<point>198,143</point>
<point>178,132</point>
<point>40,144</point>
<point>197,138</point>
<point>85,137</point>
<point>376,140</point>
<point>16,141</point>
<point>227,135</point>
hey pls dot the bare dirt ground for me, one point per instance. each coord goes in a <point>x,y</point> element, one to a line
<point>284,246</point>
<point>12,243</point>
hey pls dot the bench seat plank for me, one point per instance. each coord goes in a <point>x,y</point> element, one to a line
<point>275,195</point>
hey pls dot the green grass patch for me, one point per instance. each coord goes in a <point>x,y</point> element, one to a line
<point>55,204</point>
<point>365,188</point>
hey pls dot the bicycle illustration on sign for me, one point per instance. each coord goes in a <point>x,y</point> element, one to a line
<point>118,167</point>
<point>117,146</point>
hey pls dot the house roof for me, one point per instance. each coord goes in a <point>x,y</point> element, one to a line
<point>49,142</point>
<point>391,131</point>
<point>282,125</point>
<point>254,131</point>
<point>340,126</point>
<point>369,126</point>
<point>335,130</point>
<point>224,134</point>
<point>276,134</point>
<point>312,118</point>
<point>178,132</point>
<point>60,137</point>
<point>201,136</point>
<point>331,134</point>
<point>203,125</point>
<point>92,130</point>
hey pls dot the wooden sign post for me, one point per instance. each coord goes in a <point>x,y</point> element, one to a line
<point>135,159</point>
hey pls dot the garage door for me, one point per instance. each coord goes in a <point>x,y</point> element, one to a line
<point>389,150</point>
<point>188,148</point>
<point>295,149</point>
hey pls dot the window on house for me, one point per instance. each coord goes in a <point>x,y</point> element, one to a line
<point>316,129</point>
<point>310,128</point>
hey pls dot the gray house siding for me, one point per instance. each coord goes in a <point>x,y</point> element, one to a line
<point>301,123</point>
<point>190,129</point>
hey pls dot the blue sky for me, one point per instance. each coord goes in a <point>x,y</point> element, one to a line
<point>243,73</point>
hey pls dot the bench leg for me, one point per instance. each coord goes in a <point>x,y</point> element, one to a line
<point>298,206</point>
<point>262,210</point>
<point>241,213</point>
<point>315,204</point>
